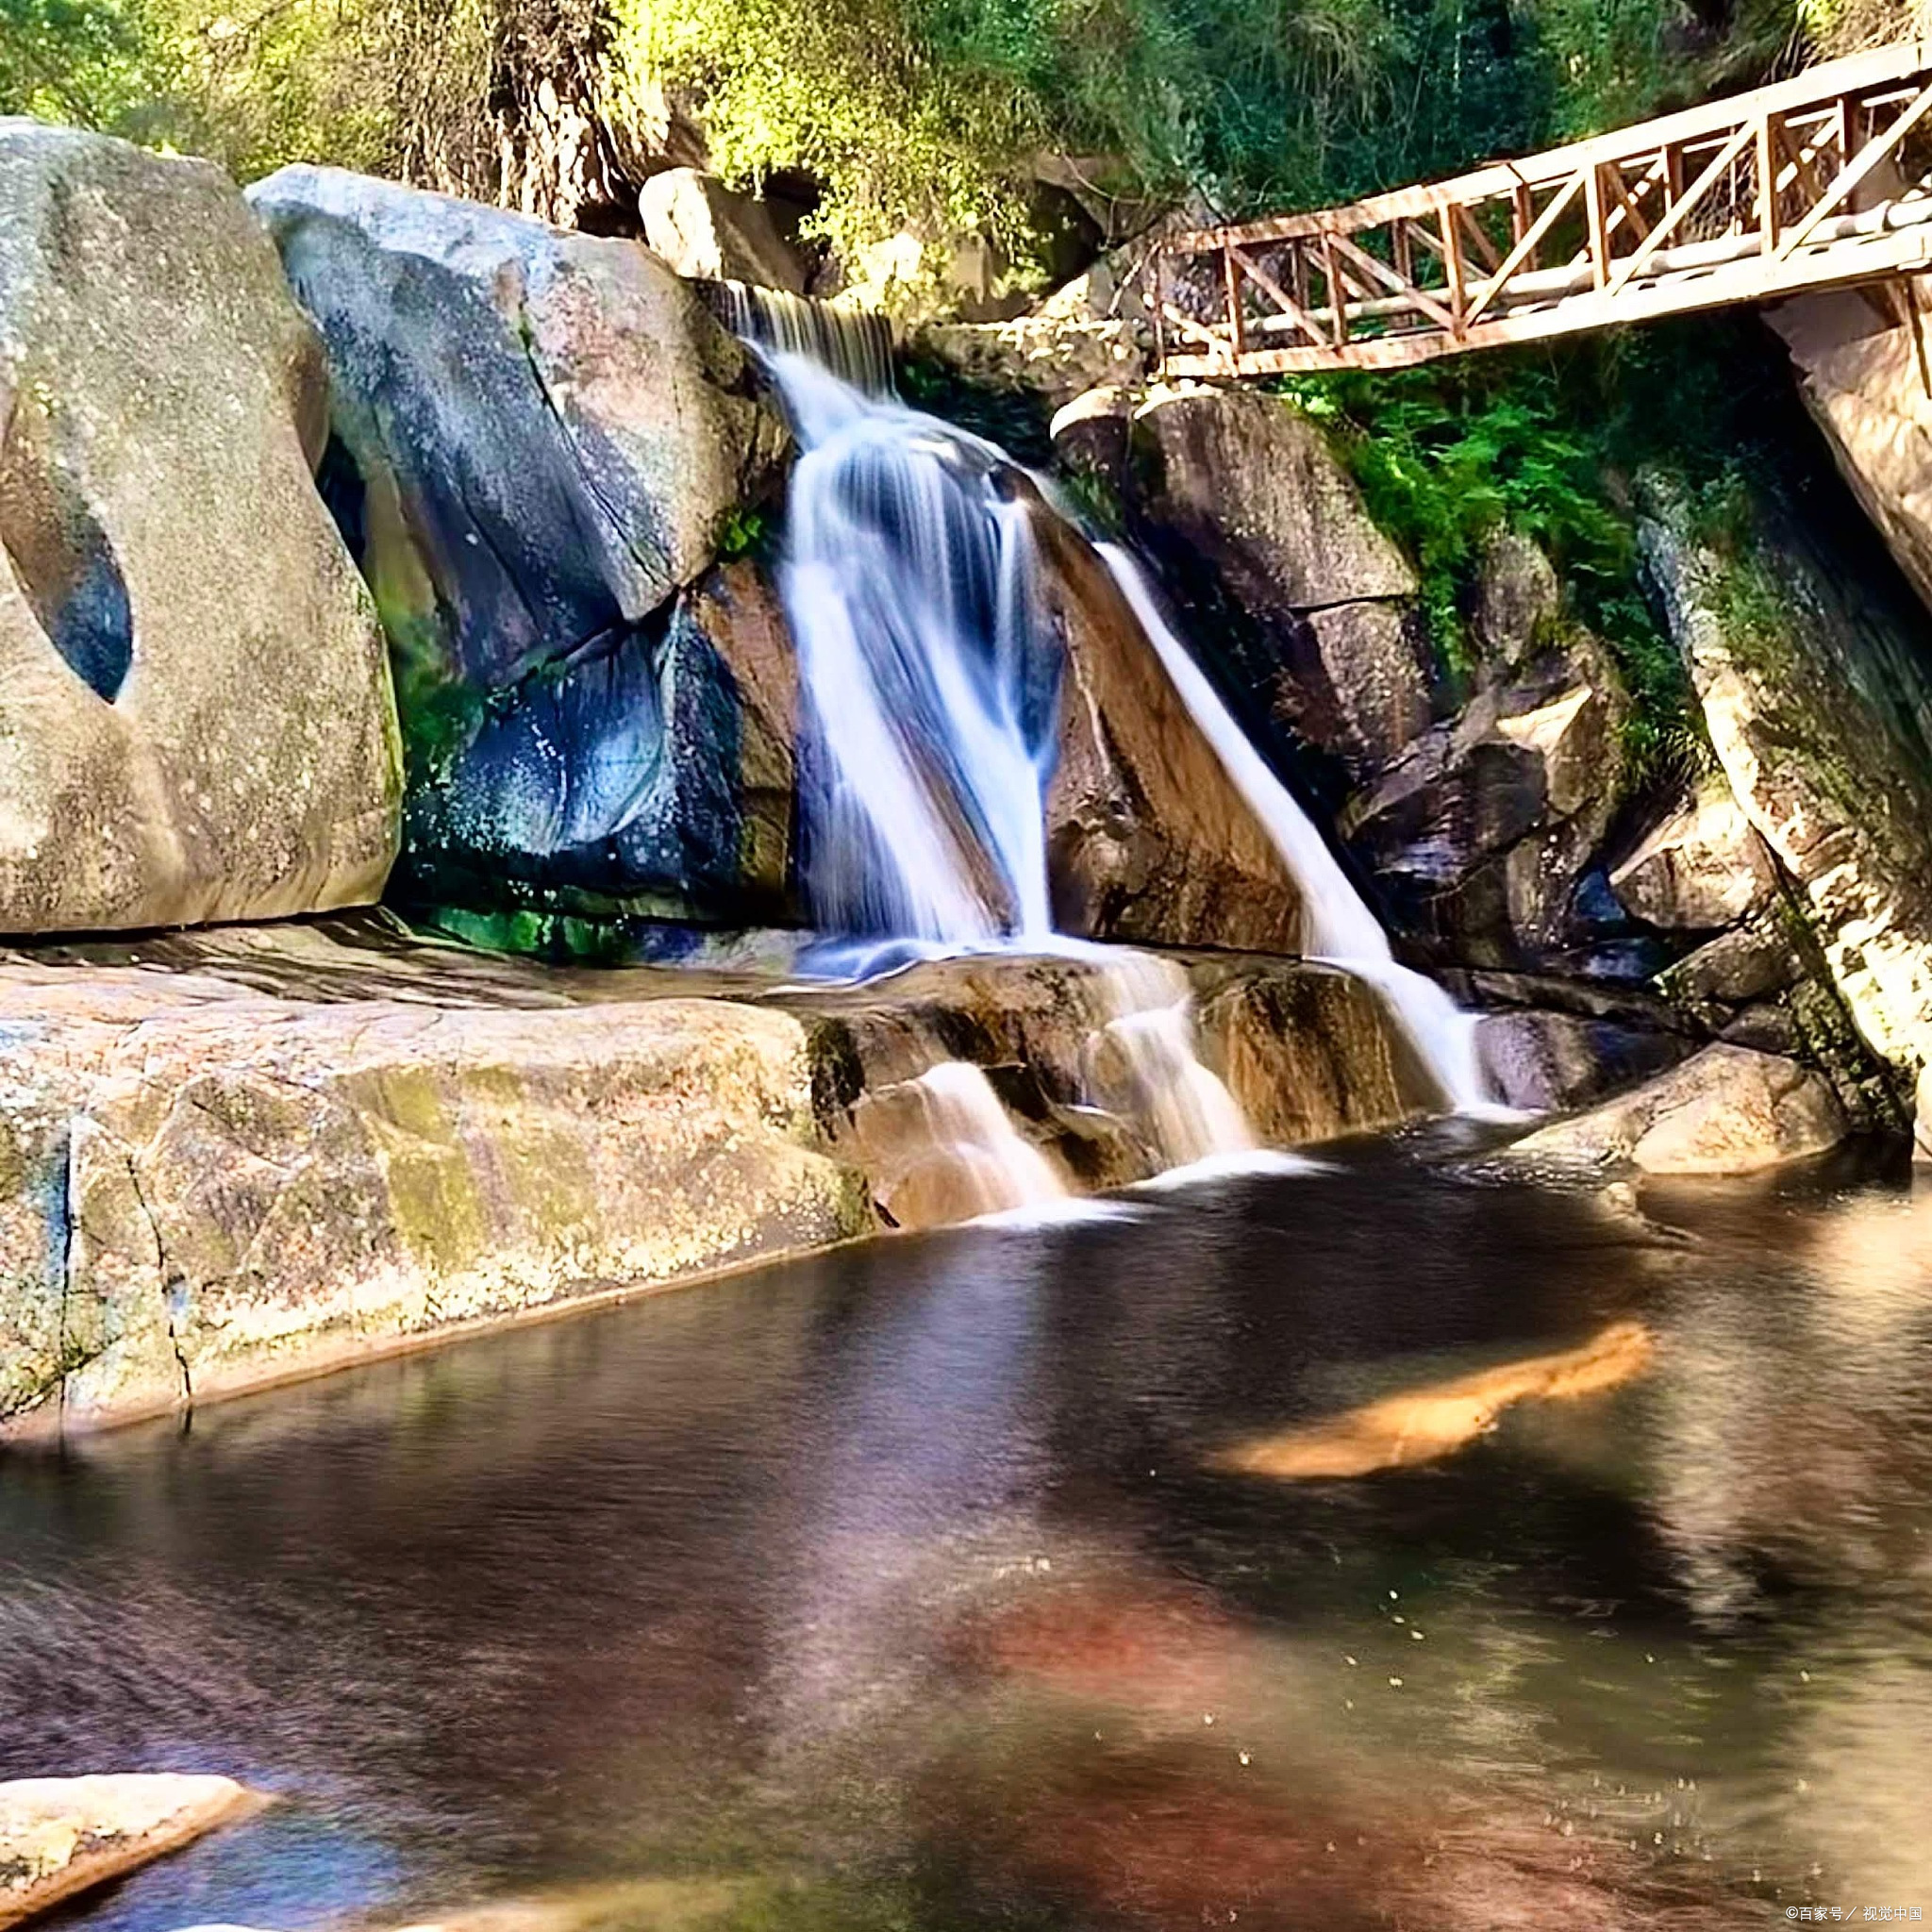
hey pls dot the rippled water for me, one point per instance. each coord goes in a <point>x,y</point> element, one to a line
<point>923,1585</point>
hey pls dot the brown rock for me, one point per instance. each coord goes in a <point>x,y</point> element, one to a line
<point>738,610</point>
<point>1705,867</point>
<point>196,715</point>
<point>1728,1111</point>
<point>1148,839</point>
<point>63,1836</point>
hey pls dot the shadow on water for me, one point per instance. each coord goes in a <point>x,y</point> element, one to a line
<point>909,1585</point>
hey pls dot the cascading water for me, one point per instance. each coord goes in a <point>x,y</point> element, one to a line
<point>930,679</point>
<point>1340,927</point>
<point>930,682</point>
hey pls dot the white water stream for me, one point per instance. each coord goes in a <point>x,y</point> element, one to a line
<point>931,680</point>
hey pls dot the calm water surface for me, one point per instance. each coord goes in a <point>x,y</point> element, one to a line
<point>903,1588</point>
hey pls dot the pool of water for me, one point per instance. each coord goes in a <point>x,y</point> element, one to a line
<point>1260,1555</point>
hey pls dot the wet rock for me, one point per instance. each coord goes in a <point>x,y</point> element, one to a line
<point>1728,1111</point>
<point>539,441</point>
<point>195,706</point>
<point>1819,702</point>
<point>1253,486</point>
<point>1149,840</point>
<point>1922,1118</point>
<point>1703,868</point>
<point>1307,1053</point>
<point>62,1835</point>
<point>1483,832</point>
<point>707,232</point>
<point>237,1184</point>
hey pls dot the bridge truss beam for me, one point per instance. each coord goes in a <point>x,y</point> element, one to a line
<point>1821,181</point>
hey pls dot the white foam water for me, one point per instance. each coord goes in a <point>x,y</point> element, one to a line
<point>1002,1171</point>
<point>930,685</point>
<point>1339,929</point>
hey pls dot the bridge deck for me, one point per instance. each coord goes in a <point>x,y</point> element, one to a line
<point>1821,181</point>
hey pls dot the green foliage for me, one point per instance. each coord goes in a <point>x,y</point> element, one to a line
<point>745,532</point>
<point>1544,443</point>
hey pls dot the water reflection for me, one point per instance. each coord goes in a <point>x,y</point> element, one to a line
<point>902,1587</point>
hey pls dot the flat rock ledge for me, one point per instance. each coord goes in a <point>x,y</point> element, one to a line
<point>1728,1111</point>
<point>61,1835</point>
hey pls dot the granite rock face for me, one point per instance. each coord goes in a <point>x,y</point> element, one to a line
<point>1818,695</point>
<point>196,713</point>
<point>207,1185</point>
<point>538,444</point>
<point>1727,1110</point>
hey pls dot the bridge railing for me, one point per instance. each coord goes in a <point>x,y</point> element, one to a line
<point>1822,180</point>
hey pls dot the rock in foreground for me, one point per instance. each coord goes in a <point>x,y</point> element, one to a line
<point>196,718</point>
<point>210,1187</point>
<point>60,1836</point>
<point>1727,1110</point>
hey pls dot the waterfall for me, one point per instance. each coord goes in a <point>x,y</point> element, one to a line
<point>930,684</point>
<point>929,676</point>
<point>1338,928</point>
<point>854,345</point>
<point>989,1168</point>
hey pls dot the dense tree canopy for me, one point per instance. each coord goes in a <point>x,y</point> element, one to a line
<point>926,113</point>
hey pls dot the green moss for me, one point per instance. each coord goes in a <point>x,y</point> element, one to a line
<point>1544,443</point>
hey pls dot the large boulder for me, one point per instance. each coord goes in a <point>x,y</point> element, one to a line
<point>1703,868</point>
<point>539,444</point>
<point>1253,484</point>
<point>63,1836</point>
<point>1727,1112</point>
<point>207,1185</point>
<point>1149,839</point>
<point>705,231</point>
<point>1817,690</point>
<point>195,716</point>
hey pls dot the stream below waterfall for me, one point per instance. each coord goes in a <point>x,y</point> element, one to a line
<point>1391,1544</point>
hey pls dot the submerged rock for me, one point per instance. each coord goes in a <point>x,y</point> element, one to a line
<point>1728,1111</point>
<point>195,716</point>
<point>62,1835</point>
<point>539,442</point>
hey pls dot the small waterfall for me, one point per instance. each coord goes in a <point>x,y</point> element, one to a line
<point>987,1168</point>
<point>931,678</point>
<point>930,683</point>
<point>1340,927</point>
<point>1141,1064</point>
<point>854,343</point>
